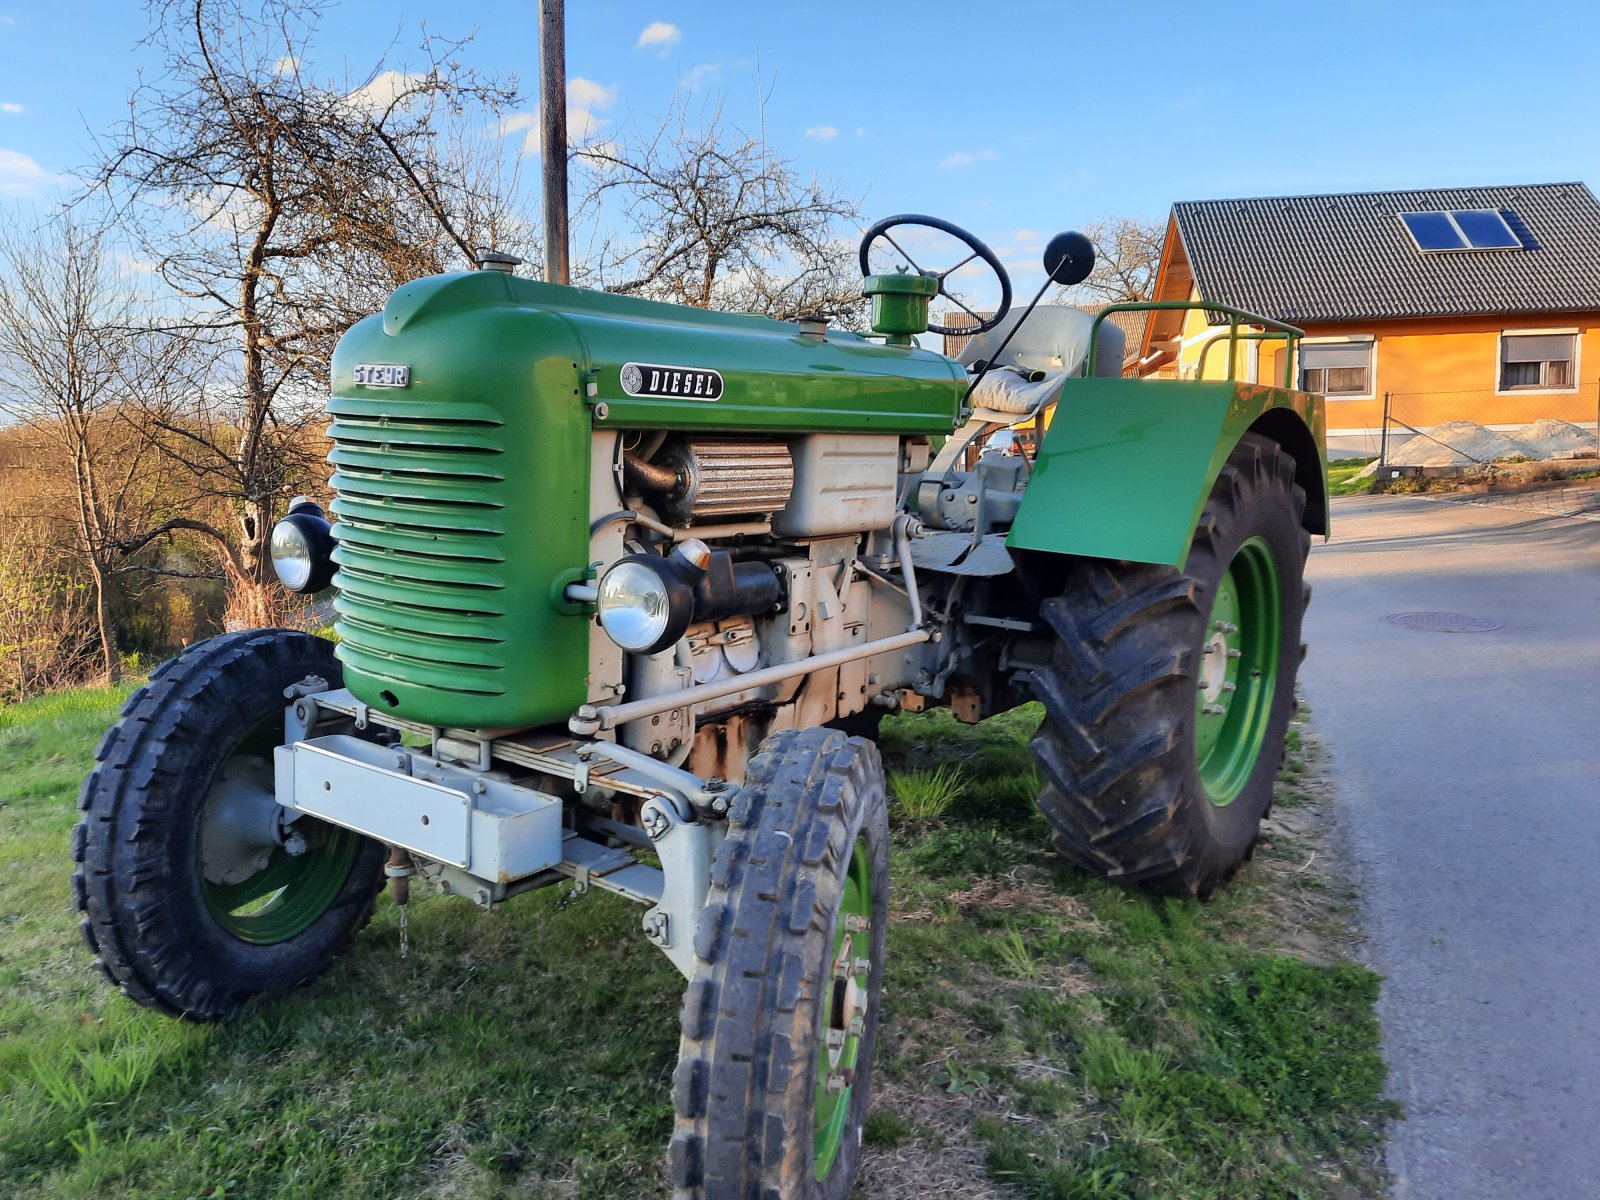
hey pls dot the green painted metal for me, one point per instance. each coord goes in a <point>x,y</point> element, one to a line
<point>1243,635</point>
<point>1127,464</point>
<point>775,379</point>
<point>900,304</point>
<point>833,1108</point>
<point>1236,317</point>
<point>462,497</point>
<point>459,501</point>
<point>286,896</point>
<point>1233,337</point>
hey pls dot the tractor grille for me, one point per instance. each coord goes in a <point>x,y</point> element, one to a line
<point>421,543</point>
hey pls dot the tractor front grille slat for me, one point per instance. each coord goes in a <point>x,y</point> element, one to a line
<point>420,556</point>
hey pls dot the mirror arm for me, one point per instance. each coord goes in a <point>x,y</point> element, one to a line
<point>1006,341</point>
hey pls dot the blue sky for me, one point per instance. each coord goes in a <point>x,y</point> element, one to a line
<point>1013,119</point>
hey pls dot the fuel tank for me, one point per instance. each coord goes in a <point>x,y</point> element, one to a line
<point>461,424</point>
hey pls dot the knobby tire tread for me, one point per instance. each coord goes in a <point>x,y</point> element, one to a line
<point>150,770</point>
<point>1122,791</point>
<point>742,1089</point>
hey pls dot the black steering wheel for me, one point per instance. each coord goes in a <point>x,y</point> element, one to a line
<point>979,250</point>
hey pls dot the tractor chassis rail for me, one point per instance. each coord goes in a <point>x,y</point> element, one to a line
<point>487,838</point>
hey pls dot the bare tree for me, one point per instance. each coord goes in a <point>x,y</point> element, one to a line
<point>75,341</point>
<point>46,629</point>
<point>283,209</point>
<point>710,216</point>
<point>1127,254</point>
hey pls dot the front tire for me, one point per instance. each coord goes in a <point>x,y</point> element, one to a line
<point>1169,692</point>
<point>781,1015</point>
<point>190,904</point>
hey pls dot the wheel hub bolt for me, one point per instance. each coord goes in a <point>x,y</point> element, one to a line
<point>862,966</point>
<point>858,1025</point>
<point>1213,710</point>
<point>835,1039</point>
<point>856,924</point>
<point>835,1083</point>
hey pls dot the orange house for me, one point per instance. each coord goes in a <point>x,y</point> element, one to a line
<point>1474,304</point>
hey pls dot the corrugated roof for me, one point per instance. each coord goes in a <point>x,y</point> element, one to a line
<point>1348,256</point>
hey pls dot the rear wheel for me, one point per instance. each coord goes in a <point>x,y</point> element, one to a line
<point>1169,692</point>
<point>192,898</point>
<point>781,1014</point>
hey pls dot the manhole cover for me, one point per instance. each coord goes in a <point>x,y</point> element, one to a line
<point>1443,622</point>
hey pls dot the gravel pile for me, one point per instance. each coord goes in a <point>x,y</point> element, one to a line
<point>1460,443</point>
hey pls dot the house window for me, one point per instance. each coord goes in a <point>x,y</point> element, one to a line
<point>1336,368</point>
<point>1536,361</point>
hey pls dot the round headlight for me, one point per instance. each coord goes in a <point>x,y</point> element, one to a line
<point>291,555</point>
<point>302,549</point>
<point>635,606</point>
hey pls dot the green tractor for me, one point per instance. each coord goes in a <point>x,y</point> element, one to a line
<point>623,590</point>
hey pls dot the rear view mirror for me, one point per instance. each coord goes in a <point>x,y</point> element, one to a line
<point>1069,258</point>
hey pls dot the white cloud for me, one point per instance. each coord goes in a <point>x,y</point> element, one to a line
<point>860,132</point>
<point>132,265</point>
<point>20,175</point>
<point>701,73</point>
<point>586,93</point>
<point>962,159</point>
<point>659,33</point>
<point>586,99</point>
<point>289,64</point>
<point>10,110</point>
<point>822,133</point>
<point>383,91</point>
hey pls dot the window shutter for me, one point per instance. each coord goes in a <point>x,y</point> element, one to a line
<point>1537,348</point>
<point>1342,354</point>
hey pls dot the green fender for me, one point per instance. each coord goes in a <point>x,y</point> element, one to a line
<point>1127,464</point>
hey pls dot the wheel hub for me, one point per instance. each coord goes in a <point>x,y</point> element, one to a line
<point>240,828</point>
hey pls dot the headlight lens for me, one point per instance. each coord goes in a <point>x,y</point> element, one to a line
<point>291,555</point>
<point>302,549</point>
<point>635,605</point>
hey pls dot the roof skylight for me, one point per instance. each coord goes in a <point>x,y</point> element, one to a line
<point>1461,229</point>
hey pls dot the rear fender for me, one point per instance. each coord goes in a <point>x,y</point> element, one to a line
<point>1127,464</point>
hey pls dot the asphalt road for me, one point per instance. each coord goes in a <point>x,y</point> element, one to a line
<point>1468,777</point>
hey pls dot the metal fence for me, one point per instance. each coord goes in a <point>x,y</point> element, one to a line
<point>1466,428</point>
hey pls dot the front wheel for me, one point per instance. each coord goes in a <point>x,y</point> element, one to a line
<point>1169,692</point>
<point>781,1013</point>
<point>193,898</point>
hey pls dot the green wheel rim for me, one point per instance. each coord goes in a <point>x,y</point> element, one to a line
<point>1238,675</point>
<point>286,896</point>
<point>844,1010</point>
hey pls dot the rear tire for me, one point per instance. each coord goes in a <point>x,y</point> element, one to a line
<point>804,866</point>
<point>187,906</point>
<point>1169,692</point>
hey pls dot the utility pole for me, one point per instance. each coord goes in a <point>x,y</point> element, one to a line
<point>553,135</point>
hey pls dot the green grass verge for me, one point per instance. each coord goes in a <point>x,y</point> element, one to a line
<point>1077,1039</point>
<point>1342,476</point>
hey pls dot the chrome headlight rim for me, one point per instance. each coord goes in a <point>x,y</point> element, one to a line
<point>645,602</point>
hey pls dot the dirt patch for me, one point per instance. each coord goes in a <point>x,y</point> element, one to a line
<point>1310,897</point>
<point>940,1159</point>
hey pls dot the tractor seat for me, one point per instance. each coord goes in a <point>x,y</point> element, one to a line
<point>1011,395</point>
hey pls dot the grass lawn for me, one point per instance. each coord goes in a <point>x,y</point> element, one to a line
<point>1343,476</point>
<point>1045,1035</point>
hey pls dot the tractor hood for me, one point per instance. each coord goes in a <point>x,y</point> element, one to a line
<point>462,420</point>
